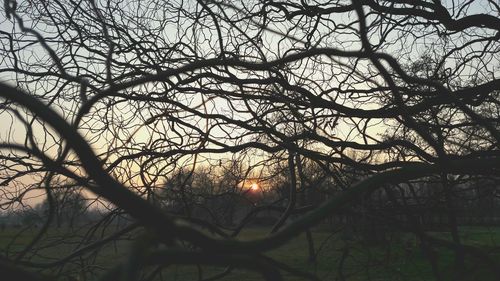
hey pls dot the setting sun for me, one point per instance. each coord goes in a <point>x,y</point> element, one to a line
<point>254,187</point>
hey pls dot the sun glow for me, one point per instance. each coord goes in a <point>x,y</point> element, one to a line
<point>254,186</point>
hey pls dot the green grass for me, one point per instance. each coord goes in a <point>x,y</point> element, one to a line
<point>399,259</point>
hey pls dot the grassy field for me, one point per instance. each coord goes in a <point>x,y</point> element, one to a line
<point>398,259</point>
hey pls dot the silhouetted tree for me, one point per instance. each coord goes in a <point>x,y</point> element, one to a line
<point>358,100</point>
